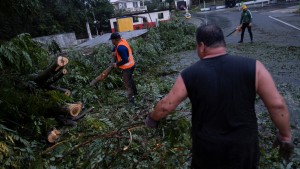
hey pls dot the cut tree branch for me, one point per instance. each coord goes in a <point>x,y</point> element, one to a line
<point>54,67</point>
<point>56,77</point>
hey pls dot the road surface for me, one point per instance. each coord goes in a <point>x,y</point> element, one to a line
<point>272,23</point>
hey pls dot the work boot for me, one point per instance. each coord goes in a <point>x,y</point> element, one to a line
<point>240,41</point>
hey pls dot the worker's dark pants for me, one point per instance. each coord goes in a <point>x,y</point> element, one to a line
<point>244,26</point>
<point>129,83</point>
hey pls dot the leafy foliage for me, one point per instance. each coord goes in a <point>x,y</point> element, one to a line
<point>14,150</point>
<point>21,54</point>
<point>55,16</point>
<point>23,108</point>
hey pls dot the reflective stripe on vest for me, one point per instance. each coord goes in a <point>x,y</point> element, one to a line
<point>130,62</point>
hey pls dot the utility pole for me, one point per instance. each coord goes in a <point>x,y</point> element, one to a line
<point>88,30</point>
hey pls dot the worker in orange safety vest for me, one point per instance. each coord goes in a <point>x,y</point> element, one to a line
<point>124,60</point>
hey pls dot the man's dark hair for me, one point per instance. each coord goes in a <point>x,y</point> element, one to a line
<point>115,35</point>
<point>210,35</point>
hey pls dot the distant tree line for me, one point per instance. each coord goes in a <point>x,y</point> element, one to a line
<point>48,17</point>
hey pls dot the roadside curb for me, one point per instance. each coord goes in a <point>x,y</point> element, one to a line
<point>259,2</point>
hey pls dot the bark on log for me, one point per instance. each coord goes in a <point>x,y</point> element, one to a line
<point>56,77</point>
<point>67,92</point>
<point>54,67</point>
<point>53,136</point>
<point>102,76</point>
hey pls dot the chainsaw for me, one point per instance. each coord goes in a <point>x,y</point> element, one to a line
<point>102,76</point>
<point>238,28</point>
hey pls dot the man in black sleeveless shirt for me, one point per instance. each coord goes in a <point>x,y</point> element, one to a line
<point>222,90</point>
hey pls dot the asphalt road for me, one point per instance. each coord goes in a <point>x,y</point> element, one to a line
<point>276,24</point>
<point>273,23</point>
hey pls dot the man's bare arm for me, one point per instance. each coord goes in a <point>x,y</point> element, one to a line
<point>273,100</point>
<point>166,105</point>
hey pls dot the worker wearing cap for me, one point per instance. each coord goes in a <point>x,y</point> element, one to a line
<point>245,22</point>
<point>125,61</point>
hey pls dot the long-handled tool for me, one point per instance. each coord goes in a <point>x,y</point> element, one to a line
<point>238,28</point>
<point>231,33</point>
<point>102,76</point>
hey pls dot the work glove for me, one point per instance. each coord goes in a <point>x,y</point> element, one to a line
<point>149,122</point>
<point>286,149</point>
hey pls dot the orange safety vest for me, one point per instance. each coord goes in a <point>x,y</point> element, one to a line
<point>130,62</point>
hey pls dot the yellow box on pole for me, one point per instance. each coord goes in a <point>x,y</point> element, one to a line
<point>125,24</point>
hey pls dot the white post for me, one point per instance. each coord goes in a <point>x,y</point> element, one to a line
<point>88,30</point>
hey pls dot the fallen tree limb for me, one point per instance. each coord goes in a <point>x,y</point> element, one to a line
<point>114,134</point>
<point>53,147</point>
<point>54,67</point>
<point>56,77</point>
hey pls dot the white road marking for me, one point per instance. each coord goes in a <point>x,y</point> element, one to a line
<point>284,23</point>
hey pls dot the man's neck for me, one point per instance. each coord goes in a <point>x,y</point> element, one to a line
<point>214,52</point>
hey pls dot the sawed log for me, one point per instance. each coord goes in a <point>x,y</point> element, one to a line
<point>53,135</point>
<point>54,67</point>
<point>72,109</point>
<point>69,109</point>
